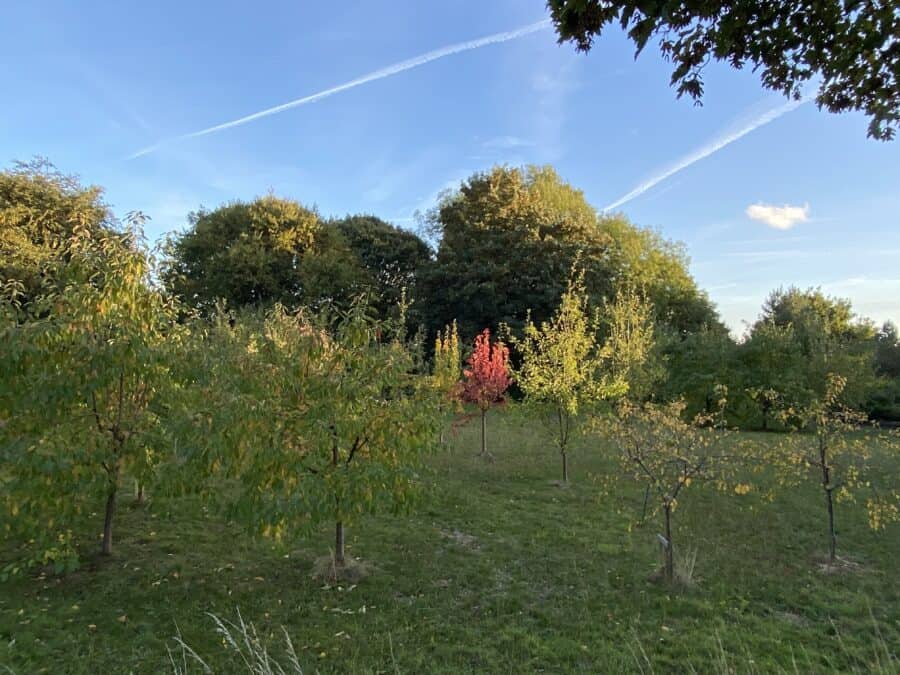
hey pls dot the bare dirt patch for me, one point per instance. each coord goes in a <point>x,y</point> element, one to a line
<point>351,570</point>
<point>838,566</point>
<point>461,538</point>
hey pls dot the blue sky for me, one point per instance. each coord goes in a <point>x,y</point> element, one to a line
<point>90,84</point>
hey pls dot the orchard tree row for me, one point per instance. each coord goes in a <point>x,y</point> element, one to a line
<point>286,412</point>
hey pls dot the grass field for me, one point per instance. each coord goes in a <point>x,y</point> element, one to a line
<point>499,570</point>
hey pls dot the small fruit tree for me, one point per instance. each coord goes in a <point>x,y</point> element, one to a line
<point>566,363</point>
<point>660,450</point>
<point>83,378</point>
<point>447,369</point>
<point>831,448</point>
<point>486,378</point>
<point>317,422</point>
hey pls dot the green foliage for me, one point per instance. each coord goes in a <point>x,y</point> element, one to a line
<point>831,450</point>
<point>447,370</point>
<point>41,212</point>
<point>244,253</point>
<point>313,422</point>
<point>643,258</point>
<point>659,449</point>
<point>566,364</point>
<point>807,336</point>
<point>82,389</point>
<point>393,258</point>
<point>329,275</point>
<point>848,49</point>
<point>494,539</point>
<point>275,250</point>
<point>887,351</point>
<point>696,364</point>
<point>774,370</point>
<point>509,237</point>
<point>884,400</point>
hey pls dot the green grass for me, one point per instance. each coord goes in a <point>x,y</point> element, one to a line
<point>499,570</point>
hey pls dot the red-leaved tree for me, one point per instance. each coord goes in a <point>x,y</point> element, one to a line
<point>486,378</point>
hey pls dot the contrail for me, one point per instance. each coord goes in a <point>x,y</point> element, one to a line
<point>708,149</point>
<point>394,69</point>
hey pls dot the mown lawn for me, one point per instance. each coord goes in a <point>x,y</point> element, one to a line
<point>499,570</point>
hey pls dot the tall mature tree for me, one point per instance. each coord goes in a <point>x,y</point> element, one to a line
<point>642,258</point>
<point>567,365</point>
<point>41,212</point>
<point>393,258</point>
<point>849,48</point>
<point>774,370</point>
<point>884,401</point>
<point>829,338</point>
<point>887,350</point>
<point>509,237</point>
<point>259,253</point>
<point>80,394</point>
<point>245,253</point>
<point>696,364</point>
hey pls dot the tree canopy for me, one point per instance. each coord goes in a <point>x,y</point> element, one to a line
<point>849,49</point>
<point>509,237</point>
<point>276,250</point>
<point>393,258</point>
<point>246,253</point>
<point>41,211</point>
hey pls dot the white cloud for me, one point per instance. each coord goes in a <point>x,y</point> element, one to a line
<point>779,217</point>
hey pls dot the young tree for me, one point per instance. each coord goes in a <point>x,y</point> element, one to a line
<point>82,386</point>
<point>318,423</point>
<point>447,369</point>
<point>831,450</point>
<point>486,378</point>
<point>659,449</point>
<point>566,364</point>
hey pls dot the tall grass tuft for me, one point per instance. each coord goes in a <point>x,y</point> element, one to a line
<point>246,647</point>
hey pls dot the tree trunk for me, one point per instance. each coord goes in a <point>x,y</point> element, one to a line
<point>139,496</point>
<point>832,537</point>
<point>483,433</point>
<point>670,547</point>
<point>106,548</point>
<point>829,500</point>
<point>565,462</point>
<point>339,543</point>
<point>339,525</point>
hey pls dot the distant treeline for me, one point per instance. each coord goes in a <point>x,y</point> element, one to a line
<point>499,249</point>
